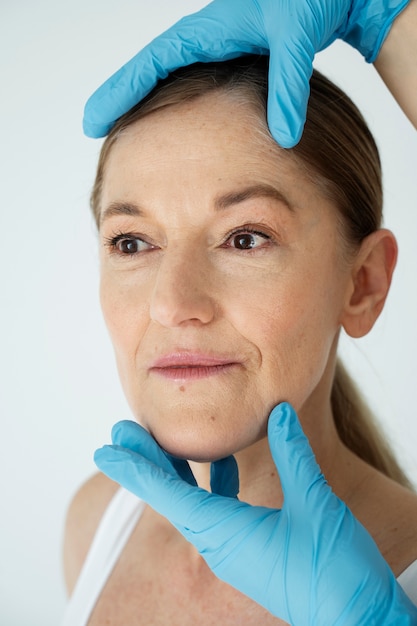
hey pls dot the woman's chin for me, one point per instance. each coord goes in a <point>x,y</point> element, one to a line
<point>196,452</point>
<point>203,433</point>
<point>204,448</point>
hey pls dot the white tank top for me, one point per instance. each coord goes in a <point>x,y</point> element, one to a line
<point>114,530</point>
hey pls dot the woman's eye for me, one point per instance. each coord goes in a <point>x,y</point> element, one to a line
<point>128,245</point>
<point>131,246</point>
<point>247,240</point>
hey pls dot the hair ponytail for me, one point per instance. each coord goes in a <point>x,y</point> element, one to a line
<point>359,430</point>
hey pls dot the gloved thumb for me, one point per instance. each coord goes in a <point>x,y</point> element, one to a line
<point>294,459</point>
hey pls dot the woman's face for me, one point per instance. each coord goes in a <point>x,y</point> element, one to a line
<point>222,280</point>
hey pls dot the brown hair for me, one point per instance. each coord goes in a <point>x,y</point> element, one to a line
<point>338,153</point>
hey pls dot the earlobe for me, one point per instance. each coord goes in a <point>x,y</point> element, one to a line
<point>370,282</point>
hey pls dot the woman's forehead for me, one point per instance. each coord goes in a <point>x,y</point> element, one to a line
<point>216,113</point>
<point>211,133</point>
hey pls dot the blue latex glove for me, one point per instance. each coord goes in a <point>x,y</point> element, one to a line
<point>309,563</point>
<point>291,31</point>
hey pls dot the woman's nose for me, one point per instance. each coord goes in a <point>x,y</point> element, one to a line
<point>181,292</point>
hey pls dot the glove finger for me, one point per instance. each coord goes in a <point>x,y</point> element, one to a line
<point>217,32</point>
<point>224,477</point>
<point>131,435</point>
<point>300,475</point>
<point>183,469</point>
<point>188,508</point>
<point>289,89</point>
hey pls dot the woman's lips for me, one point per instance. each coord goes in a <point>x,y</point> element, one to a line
<point>190,366</point>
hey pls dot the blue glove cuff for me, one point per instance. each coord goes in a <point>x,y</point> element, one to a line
<point>369,24</point>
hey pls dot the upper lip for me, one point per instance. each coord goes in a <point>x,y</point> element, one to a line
<point>187,358</point>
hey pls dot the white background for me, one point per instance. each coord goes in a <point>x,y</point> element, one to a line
<point>59,388</point>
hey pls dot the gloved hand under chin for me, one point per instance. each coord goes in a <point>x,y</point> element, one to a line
<point>309,563</point>
<point>291,31</point>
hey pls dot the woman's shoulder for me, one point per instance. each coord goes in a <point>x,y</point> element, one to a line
<point>83,517</point>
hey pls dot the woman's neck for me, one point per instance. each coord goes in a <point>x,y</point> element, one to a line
<point>258,478</point>
<point>258,475</point>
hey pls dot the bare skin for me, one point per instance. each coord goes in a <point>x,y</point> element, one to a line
<point>397,61</point>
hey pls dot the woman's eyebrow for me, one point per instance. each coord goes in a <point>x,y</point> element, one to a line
<point>227,200</point>
<point>120,208</point>
<point>221,202</point>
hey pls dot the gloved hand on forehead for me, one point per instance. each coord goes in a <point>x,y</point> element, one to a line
<point>310,563</point>
<point>291,31</point>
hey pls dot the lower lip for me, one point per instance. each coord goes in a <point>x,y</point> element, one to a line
<point>196,372</point>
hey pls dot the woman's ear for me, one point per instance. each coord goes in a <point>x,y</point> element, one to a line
<point>371,276</point>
